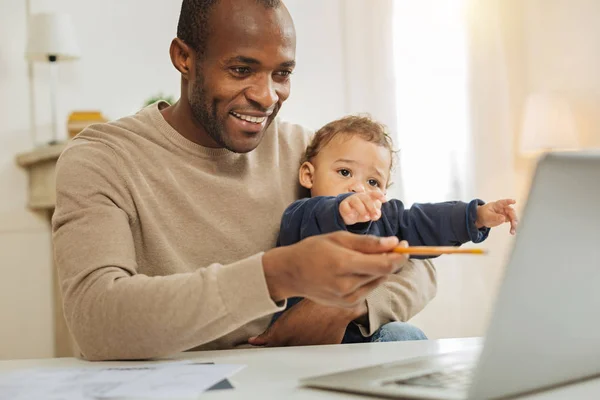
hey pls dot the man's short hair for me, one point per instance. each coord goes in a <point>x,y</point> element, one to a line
<point>194,27</point>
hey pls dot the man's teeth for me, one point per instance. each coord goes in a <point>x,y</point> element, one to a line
<point>255,120</point>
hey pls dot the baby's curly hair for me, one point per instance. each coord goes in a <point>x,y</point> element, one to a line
<point>353,125</point>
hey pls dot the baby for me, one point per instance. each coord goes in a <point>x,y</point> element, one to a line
<point>347,169</point>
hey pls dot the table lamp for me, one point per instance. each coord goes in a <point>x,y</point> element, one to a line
<point>548,125</point>
<point>51,38</point>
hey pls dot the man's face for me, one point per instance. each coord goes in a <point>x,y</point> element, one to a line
<point>243,78</point>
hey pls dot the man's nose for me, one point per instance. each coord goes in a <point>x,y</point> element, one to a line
<point>263,93</point>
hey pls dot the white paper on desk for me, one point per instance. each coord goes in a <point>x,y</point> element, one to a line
<point>185,380</point>
<point>180,379</point>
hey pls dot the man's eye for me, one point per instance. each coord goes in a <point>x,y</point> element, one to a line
<point>373,182</point>
<point>240,71</point>
<point>284,74</point>
<point>345,173</point>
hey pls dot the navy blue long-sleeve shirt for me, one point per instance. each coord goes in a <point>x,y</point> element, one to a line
<point>434,224</point>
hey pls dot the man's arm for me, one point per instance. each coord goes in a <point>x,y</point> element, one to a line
<point>308,324</point>
<point>113,311</point>
<point>400,298</point>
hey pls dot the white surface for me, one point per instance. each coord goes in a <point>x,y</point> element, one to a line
<point>52,34</point>
<point>150,381</point>
<point>274,373</point>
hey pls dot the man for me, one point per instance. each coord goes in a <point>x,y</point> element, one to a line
<point>165,220</point>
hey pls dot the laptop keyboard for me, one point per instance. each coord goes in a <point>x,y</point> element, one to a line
<point>457,377</point>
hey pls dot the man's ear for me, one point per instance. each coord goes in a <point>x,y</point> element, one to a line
<point>305,175</point>
<point>182,57</point>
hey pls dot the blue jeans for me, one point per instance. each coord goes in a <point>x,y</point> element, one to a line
<point>390,332</point>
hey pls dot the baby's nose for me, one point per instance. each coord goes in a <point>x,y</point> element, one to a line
<point>357,188</point>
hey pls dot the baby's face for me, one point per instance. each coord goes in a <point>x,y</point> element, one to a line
<point>350,164</point>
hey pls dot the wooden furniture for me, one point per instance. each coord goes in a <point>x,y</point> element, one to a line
<point>41,167</point>
<point>274,373</point>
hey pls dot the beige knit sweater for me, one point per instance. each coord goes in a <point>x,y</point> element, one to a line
<point>159,241</point>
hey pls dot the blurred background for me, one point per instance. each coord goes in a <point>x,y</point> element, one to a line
<point>472,90</point>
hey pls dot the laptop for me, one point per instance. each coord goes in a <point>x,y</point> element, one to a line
<point>545,330</point>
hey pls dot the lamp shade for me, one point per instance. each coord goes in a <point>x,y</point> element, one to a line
<point>548,124</point>
<point>51,35</point>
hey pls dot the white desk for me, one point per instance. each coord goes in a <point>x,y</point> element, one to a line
<point>274,373</point>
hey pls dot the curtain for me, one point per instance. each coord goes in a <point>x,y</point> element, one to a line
<point>370,75</point>
<point>437,74</point>
<point>468,285</point>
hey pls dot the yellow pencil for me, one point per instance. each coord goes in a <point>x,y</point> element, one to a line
<point>437,250</point>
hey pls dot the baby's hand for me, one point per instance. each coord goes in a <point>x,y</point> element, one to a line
<point>362,207</point>
<point>496,213</point>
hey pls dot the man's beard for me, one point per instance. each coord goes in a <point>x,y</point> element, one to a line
<point>205,113</point>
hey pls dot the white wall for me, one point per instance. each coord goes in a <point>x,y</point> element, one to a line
<point>318,84</point>
<point>25,290</point>
<point>124,60</point>
<point>125,57</point>
<point>563,55</point>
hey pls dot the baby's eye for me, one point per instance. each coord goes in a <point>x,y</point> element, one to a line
<point>345,173</point>
<point>373,182</point>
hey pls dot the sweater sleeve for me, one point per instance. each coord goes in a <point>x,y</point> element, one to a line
<point>435,224</point>
<point>112,310</point>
